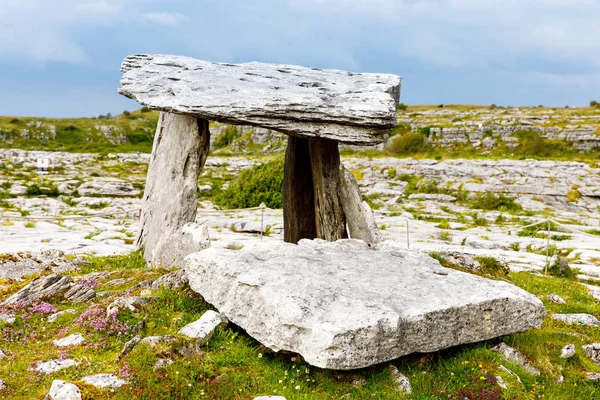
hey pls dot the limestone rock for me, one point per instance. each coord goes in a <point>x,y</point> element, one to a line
<point>592,351</point>
<point>203,329</point>
<point>568,351</point>
<point>558,266</point>
<point>2,355</point>
<point>170,199</point>
<point>17,265</point>
<point>55,316</point>
<point>72,340</point>
<point>581,319</point>
<point>554,298</point>
<point>130,302</point>
<point>592,376</point>
<point>339,306</point>
<point>359,216</point>
<point>171,250</point>
<point>8,319</point>
<point>108,187</point>
<point>104,381</point>
<point>80,293</point>
<point>307,102</point>
<point>42,288</point>
<point>153,341</point>
<point>48,367</point>
<point>2,384</point>
<point>512,354</point>
<point>501,382</point>
<point>61,390</point>
<point>508,371</point>
<point>172,280</point>
<point>402,382</point>
<point>128,347</point>
<point>162,363</point>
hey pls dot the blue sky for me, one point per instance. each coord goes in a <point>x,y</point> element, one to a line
<point>61,58</point>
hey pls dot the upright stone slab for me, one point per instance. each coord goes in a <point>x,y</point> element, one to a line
<point>359,216</point>
<point>298,193</point>
<point>181,145</point>
<point>329,215</point>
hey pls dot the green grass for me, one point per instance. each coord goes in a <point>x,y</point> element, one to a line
<point>235,366</point>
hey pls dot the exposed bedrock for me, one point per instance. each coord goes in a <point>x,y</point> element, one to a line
<point>345,305</point>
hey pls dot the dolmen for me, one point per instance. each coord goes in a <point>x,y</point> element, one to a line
<point>333,291</point>
<point>316,108</point>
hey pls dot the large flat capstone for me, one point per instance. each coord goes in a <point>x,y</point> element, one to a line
<point>356,108</point>
<point>344,305</point>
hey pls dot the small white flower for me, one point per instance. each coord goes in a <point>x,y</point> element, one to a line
<point>297,387</point>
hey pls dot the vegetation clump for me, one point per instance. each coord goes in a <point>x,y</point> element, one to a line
<point>260,184</point>
<point>494,201</point>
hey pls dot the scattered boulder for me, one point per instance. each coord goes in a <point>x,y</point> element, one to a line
<point>592,351</point>
<point>501,382</point>
<point>554,298</point>
<point>162,363</point>
<point>18,265</point>
<point>203,329</point>
<point>130,302</point>
<point>2,384</point>
<point>297,298</point>
<point>172,249</point>
<point>48,367</point>
<point>581,319</point>
<point>153,341</point>
<point>61,390</point>
<point>104,381</point>
<point>8,319</point>
<point>55,316</point>
<point>172,281</point>
<point>592,376</point>
<point>558,266</point>
<point>568,351</point>
<point>513,355</point>
<point>128,347</point>
<point>80,293</point>
<point>72,340</point>
<point>42,288</point>
<point>402,382</point>
<point>594,291</point>
<point>2,355</point>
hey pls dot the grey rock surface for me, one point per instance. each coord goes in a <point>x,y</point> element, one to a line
<point>17,265</point>
<point>104,381</point>
<point>339,306</point>
<point>359,216</point>
<point>307,102</point>
<point>42,288</point>
<point>593,376</point>
<point>80,293</point>
<point>72,340</point>
<point>129,302</point>
<point>554,298</point>
<point>170,198</point>
<point>581,319</point>
<point>402,382</point>
<point>162,363</point>
<point>568,351</point>
<point>172,280</point>
<point>171,250</point>
<point>128,347</point>
<point>592,351</point>
<point>108,187</point>
<point>55,316</point>
<point>203,329</point>
<point>8,319</point>
<point>61,390</point>
<point>513,355</point>
<point>47,367</point>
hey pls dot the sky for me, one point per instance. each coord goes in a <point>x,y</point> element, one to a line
<point>61,58</point>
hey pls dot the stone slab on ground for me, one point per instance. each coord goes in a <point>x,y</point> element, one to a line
<point>104,381</point>
<point>61,390</point>
<point>344,305</point>
<point>203,328</point>
<point>307,102</point>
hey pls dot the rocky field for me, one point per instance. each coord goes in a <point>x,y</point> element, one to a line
<point>509,204</point>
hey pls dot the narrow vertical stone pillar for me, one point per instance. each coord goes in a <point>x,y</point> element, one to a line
<point>329,215</point>
<point>298,193</point>
<point>181,145</point>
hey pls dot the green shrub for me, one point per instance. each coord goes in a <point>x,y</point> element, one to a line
<point>493,266</point>
<point>402,107</point>
<point>259,184</point>
<point>49,189</point>
<point>593,103</point>
<point>408,143</point>
<point>494,201</point>
<point>559,267</point>
<point>226,137</point>
<point>391,173</point>
<point>145,109</point>
<point>400,129</point>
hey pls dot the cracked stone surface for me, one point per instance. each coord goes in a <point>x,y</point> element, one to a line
<point>338,304</point>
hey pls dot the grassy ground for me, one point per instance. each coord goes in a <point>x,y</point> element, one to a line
<point>234,366</point>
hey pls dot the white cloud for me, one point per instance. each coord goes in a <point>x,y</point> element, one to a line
<point>165,18</point>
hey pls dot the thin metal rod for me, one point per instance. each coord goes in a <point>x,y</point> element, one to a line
<point>407,236</point>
